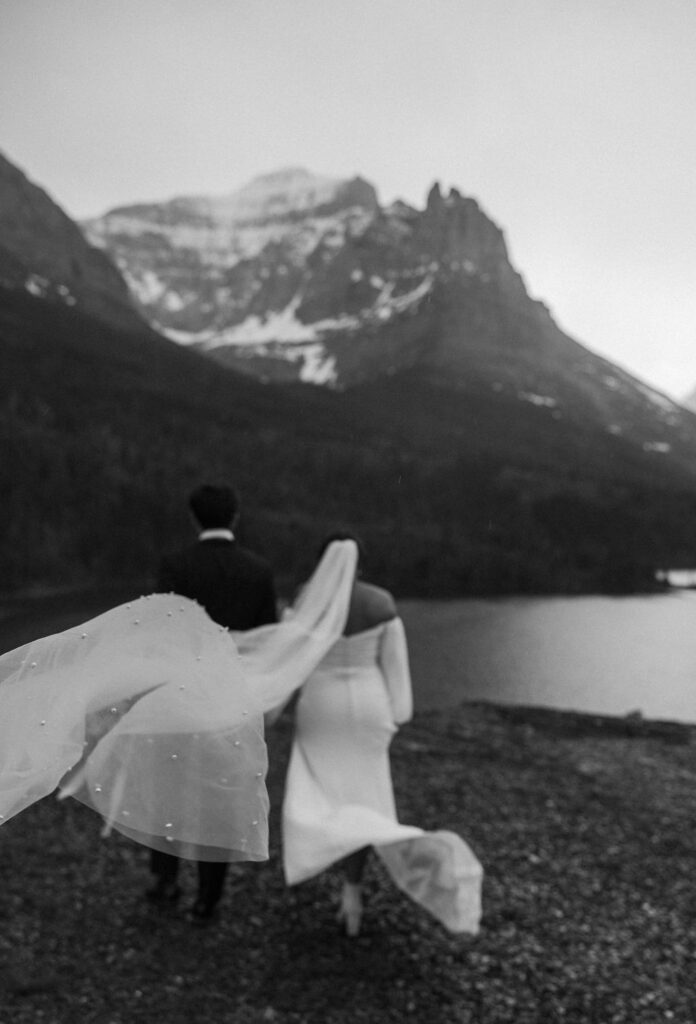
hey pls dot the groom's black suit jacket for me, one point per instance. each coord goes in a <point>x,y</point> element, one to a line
<point>236,589</point>
<point>234,585</point>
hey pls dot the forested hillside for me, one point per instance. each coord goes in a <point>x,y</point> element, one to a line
<point>104,432</point>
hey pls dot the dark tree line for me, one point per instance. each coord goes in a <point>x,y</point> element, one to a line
<point>104,434</point>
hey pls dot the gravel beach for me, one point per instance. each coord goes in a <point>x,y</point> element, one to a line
<point>586,828</point>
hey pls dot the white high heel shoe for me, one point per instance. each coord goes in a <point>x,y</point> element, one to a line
<point>350,911</point>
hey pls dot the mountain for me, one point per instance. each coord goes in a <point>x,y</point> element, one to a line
<point>689,400</point>
<point>44,251</point>
<point>460,467</point>
<point>299,277</point>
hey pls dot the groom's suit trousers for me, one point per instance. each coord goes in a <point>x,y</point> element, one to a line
<point>237,591</point>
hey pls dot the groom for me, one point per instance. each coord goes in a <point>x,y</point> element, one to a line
<point>236,589</point>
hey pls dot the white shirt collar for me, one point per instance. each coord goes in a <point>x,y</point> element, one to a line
<point>216,535</point>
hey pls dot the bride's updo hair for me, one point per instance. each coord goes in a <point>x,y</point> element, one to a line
<point>214,506</point>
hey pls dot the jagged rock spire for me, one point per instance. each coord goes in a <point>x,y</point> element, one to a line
<point>435,201</point>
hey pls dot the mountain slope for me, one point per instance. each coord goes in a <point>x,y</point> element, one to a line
<point>104,432</point>
<point>44,251</point>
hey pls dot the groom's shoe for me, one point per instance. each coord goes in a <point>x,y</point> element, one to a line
<point>163,893</point>
<point>202,914</point>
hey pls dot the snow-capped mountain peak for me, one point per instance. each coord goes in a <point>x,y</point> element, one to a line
<point>294,257</point>
<point>280,194</point>
<point>298,276</point>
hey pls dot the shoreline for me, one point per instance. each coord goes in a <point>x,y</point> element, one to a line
<point>569,722</point>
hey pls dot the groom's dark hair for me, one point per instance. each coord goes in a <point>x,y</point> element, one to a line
<point>214,506</point>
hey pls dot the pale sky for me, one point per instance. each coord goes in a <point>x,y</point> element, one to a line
<point>572,122</point>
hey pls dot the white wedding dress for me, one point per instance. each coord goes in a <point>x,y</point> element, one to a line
<point>339,795</point>
<point>152,715</point>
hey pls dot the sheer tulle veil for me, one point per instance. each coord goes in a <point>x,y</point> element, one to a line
<point>153,715</point>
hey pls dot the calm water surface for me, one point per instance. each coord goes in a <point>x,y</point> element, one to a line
<point>600,654</point>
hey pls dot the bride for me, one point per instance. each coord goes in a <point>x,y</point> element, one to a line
<point>153,715</point>
<point>339,800</point>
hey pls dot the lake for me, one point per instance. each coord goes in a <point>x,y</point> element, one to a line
<point>609,655</point>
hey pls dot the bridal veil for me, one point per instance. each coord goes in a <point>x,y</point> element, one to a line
<point>153,715</point>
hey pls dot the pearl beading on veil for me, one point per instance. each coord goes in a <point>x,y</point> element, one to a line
<point>113,694</point>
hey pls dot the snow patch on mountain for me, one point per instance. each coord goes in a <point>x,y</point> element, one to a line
<point>280,326</point>
<point>317,367</point>
<point>147,286</point>
<point>284,327</point>
<point>37,285</point>
<point>387,304</point>
<point>42,288</point>
<point>226,244</point>
<point>66,295</point>
<point>544,401</point>
<point>173,302</point>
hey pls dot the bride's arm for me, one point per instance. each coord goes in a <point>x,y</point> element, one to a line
<point>393,659</point>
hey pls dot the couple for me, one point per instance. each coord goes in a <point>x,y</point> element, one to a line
<point>153,714</point>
